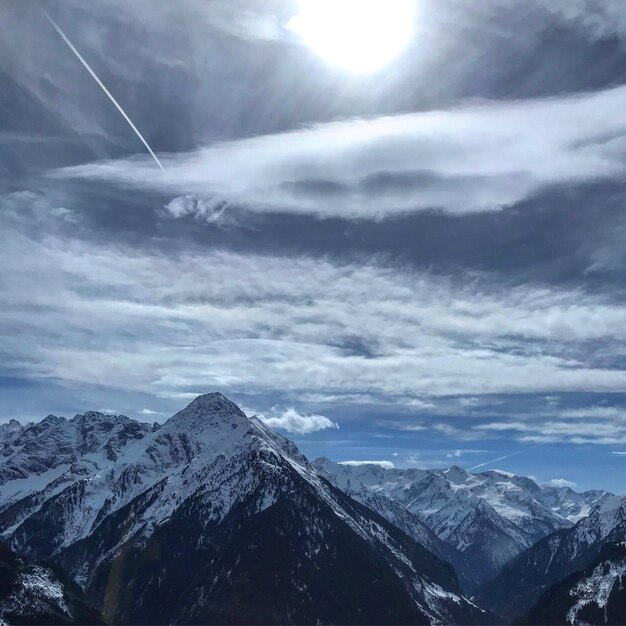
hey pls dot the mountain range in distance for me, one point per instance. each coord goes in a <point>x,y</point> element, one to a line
<point>214,518</point>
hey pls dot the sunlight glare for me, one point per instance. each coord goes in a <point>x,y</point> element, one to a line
<point>359,35</point>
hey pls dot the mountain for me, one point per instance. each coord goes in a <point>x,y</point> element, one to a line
<point>37,594</point>
<point>35,454</point>
<point>212,518</point>
<point>596,595</point>
<point>473,527</point>
<point>522,581</point>
<point>487,518</point>
<point>395,513</point>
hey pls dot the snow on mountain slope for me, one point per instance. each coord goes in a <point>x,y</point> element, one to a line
<point>490,517</point>
<point>194,437</point>
<point>521,581</point>
<point>466,510</point>
<point>537,510</point>
<point>207,475</point>
<point>595,588</point>
<point>570,504</point>
<point>357,487</point>
<point>9,430</point>
<point>35,594</point>
<point>595,595</point>
<point>84,444</point>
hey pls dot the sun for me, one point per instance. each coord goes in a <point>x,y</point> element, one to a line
<point>358,35</point>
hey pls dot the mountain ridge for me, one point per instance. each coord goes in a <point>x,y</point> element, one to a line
<point>516,589</point>
<point>489,517</point>
<point>595,594</point>
<point>207,474</point>
<point>101,493</point>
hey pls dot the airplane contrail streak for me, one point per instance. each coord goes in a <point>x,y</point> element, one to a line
<point>506,456</point>
<point>70,45</point>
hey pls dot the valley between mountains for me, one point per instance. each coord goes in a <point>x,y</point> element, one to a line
<point>214,518</point>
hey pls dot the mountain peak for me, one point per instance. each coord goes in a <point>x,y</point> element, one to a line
<point>456,474</point>
<point>10,428</point>
<point>214,402</point>
<point>96,414</point>
<point>50,420</point>
<point>95,417</point>
<point>210,410</point>
<point>323,461</point>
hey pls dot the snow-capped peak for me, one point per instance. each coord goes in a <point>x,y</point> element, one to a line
<point>10,429</point>
<point>462,507</point>
<point>210,410</point>
<point>208,472</point>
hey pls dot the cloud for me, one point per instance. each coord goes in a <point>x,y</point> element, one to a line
<point>480,157</point>
<point>321,331</point>
<point>572,426</point>
<point>22,206</point>
<point>297,423</point>
<point>65,214</point>
<point>561,482</point>
<point>88,312</point>
<point>581,425</point>
<point>459,453</point>
<point>216,212</point>
<point>149,412</point>
<point>125,40</point>
<point>599,20</point>
<point>383,464</point>
<point>609,412</point>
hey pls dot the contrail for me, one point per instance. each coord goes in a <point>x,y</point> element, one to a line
<point>70,45</point>
<point>506,456</point>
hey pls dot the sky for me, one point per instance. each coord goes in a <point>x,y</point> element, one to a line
<point>421,262</point>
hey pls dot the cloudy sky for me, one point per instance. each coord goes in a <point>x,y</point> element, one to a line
<point>420,259</point>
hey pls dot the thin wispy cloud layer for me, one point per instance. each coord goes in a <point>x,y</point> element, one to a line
<point>534,420</point>
<point>595,19</point>
<point>106,313</point>
<point>564,431</point>
<point>429,256</point>
<point>585,425</point>
<point>479,157</point>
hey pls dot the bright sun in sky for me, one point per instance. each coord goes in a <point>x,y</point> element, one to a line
<point>359,35</point>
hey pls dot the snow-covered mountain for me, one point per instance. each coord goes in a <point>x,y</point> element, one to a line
<point>36,594</point>
<point>488,517</point>
<point>401,517</point>
<point>595,595</point>
<point>212,518</point>
<point>34,455</point>
<point>551,560</point>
